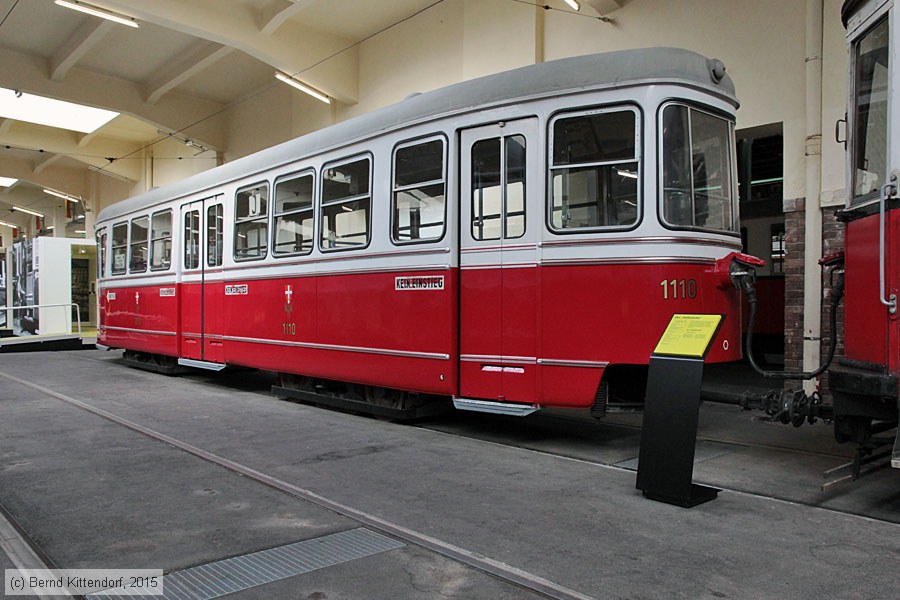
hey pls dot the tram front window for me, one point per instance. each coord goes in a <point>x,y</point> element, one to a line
<point>870,100</point>
<point>697,172</point>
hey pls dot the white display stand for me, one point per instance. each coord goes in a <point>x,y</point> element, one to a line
<point>47,282</point>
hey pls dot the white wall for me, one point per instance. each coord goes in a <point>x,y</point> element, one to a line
<point>278,113</point>
<point>419,55</point>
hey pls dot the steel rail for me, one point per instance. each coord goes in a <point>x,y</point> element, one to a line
<point>498,569</point>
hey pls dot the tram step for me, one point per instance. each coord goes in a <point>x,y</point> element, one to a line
<point>497,408</point>
<point>201,364</point>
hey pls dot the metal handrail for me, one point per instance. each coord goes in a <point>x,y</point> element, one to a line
<point>887,191</point>
<point>70,304</point>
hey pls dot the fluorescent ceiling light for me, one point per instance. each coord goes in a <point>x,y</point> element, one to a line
<point>52,113</point>
<point>7,181</point>
<point>61,195</point>
<point>98,12</point>
<point>302,87</point>
<point>5,224</point>
<point>571,3</point>
<point>30,212</point>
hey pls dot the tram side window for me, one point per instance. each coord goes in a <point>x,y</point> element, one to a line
<point>137,259</point>
<point>192,239</point>
<point>595,171</point>
<point>419,192</point>
<point>119,248</point>
<point>161,241</point>
<point>251,222</point>
<point>346,202</point>
<point>293,215</point>
<point>101,253</point>
<point>697,178</point>
<point>215,219</point>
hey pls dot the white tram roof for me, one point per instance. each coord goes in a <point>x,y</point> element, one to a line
<point>610,70</point>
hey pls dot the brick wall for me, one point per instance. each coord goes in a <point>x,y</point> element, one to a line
<point>795,243</point>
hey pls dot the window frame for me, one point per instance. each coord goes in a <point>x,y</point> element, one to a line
<point>219,258</point>
<point>735,194</point>
<point>187,247</point>
<point>308,171</point>
<point>102,238</point>
<point>131,242</point>
<point>151,240</point>
<point>265,219</point>
<point>321,204</point>
<point>639,148</point>
<point>424,139</point>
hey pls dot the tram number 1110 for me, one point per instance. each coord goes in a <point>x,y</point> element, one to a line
<point>674,289</point>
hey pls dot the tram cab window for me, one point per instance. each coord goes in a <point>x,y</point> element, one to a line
<point>137,253</point>
<point>293,215</point>
<point>119,248</point>
<point>215,227</point>
<point>101,253</point>
<point>161,241</point>
<point>697,172</point>
<point>419,192</point>
<point>192,239</point>
<point>346,202</point>
<point>251,222</point>
<point>595,170</point>
<point>869,169</point>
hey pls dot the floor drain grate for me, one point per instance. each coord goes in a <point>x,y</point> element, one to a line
<point>259,568</point>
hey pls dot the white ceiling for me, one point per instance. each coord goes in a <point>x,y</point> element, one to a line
<point>188,60</point>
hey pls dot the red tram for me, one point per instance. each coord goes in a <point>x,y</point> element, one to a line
<point>513,242</point>
<point>864,383</point>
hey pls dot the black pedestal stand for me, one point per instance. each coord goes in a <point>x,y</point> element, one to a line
<point>669,433</point>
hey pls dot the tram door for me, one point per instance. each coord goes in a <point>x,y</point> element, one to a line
<point>499,214</point>
<point>202,287</point>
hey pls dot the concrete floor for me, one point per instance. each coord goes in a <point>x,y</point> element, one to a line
<point>551,497</point>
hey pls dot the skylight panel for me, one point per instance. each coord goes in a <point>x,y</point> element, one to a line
<point>7,181</point>
<point>53,113</point>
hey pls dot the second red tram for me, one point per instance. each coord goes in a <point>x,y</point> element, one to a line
<point>513,242</point>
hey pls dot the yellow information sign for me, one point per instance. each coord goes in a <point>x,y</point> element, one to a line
<point>688,335</point>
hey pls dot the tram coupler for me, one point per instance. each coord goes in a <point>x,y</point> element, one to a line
<point>792,407</point>
<point>738,269</point>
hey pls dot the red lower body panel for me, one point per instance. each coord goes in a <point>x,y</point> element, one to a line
<point>535,335</point>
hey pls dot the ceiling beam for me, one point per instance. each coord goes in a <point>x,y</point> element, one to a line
<point>43,140</point>
<point>293,48</point>
<point>274,14</point>
<point>68,55</point>
<point>199,56</point>
<point>44,162</point>
<point>173,112</point>
<point>76,181</point>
